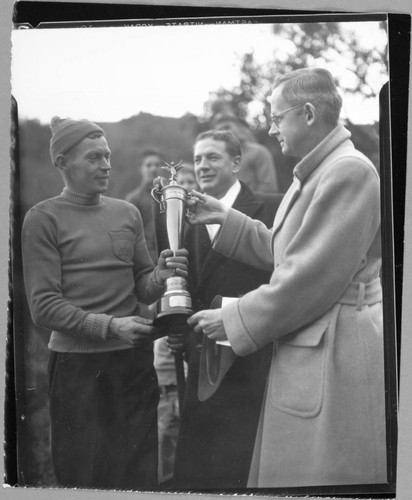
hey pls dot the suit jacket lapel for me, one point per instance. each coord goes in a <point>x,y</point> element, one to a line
<point>199,245</point>
<point>246,203</point>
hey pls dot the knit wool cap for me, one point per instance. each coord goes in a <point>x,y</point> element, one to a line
<point>66,133</point>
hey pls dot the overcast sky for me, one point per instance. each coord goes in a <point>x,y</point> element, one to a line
<point>108,74</point>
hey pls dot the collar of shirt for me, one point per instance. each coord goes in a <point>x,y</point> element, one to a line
<point>228,200</point>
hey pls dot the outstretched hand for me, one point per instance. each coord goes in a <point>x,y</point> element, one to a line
<point>210,322</point>
<point>204,209</point>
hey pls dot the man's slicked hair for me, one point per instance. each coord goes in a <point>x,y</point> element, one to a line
<point>232,143</point>
<point>314,85</point>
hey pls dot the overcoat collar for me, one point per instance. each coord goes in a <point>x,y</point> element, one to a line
<point>313,159</point>
<point>304,168</point>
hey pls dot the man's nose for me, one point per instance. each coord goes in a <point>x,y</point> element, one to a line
<point>274,130</point>
<point>202,164</point>
<point>105,164</point>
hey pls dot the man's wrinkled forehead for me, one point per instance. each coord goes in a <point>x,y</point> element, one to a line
<point>276,98</point>
<point>92,145</point>
<point>209,144</point>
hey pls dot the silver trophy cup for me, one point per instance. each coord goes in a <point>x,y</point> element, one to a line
<point>175,305</point>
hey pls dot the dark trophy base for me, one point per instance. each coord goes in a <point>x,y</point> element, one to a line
<point>171,322</point>
<point>174,307</point>
<point>172,319</point>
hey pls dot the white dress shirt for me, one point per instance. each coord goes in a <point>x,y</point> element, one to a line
<point>228,199</point>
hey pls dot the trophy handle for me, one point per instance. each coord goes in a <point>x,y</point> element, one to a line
<point>187,212</point>
<point>157,196</point>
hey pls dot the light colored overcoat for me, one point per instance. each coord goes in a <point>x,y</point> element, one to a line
<point>323,418</point>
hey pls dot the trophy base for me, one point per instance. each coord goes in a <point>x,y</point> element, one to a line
<point>173,310</point>
<point>171,320</point>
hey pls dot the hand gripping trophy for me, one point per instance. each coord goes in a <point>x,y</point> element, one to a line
<point>175,305</point>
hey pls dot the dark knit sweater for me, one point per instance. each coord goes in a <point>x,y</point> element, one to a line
<point>85,261</point>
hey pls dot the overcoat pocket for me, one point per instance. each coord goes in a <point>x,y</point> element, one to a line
<point>297,374</point>
<point>123,243</point>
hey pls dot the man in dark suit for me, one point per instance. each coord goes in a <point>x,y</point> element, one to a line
<point>217,435</point>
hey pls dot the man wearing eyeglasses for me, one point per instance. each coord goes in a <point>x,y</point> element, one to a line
<point>323,419</point>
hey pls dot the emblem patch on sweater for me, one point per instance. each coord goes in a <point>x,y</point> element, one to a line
<point>123,244</point>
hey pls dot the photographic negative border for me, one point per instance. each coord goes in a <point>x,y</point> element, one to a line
<point>392,260</point>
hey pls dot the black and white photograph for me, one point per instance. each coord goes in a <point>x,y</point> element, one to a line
<point>203,266</point>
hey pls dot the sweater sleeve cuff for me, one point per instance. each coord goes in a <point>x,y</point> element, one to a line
<point>240,340</point>
<point>155,287</point>
<point>97,326</point>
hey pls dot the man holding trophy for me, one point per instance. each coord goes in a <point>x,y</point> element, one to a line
<point>86,268</point>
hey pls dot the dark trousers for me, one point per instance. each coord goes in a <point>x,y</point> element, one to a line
<point>103,410</point>
<point>217,436</point>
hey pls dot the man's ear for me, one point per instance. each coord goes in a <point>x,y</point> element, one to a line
<point>60,162</point>
<point>310,113</point>
<point>236,164</point>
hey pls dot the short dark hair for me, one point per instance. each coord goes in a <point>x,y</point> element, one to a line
<point>231,141</point>
<point>314,85</point>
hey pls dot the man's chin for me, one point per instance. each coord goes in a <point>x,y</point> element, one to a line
<point>101,189</point>
<point>285,150</point>
<point>103,185</point>
<point>206,187</point>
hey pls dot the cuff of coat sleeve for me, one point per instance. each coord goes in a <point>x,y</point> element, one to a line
<point>228,237</point>
<point>97,326</point>
<point>237,334</point>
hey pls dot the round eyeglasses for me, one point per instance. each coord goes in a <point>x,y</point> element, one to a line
<point>277,118</point>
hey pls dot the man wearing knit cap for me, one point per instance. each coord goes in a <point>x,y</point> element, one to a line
<point>86,267</point>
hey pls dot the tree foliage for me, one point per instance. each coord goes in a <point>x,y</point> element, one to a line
<point>359,70</point>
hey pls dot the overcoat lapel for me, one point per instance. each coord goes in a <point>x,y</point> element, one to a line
<point>302,171</point>
<point>286,204</point>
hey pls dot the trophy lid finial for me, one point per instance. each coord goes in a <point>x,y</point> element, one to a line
<point>173,169</point>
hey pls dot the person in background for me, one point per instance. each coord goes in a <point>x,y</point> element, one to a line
<point>168,410</point>
<point>140,197</point>
<point>86,268</point>
<point>323,418</point>
<point>257,169</point>
<point>164,362</point>
<point>219,420</point>
<point>186,177</point>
